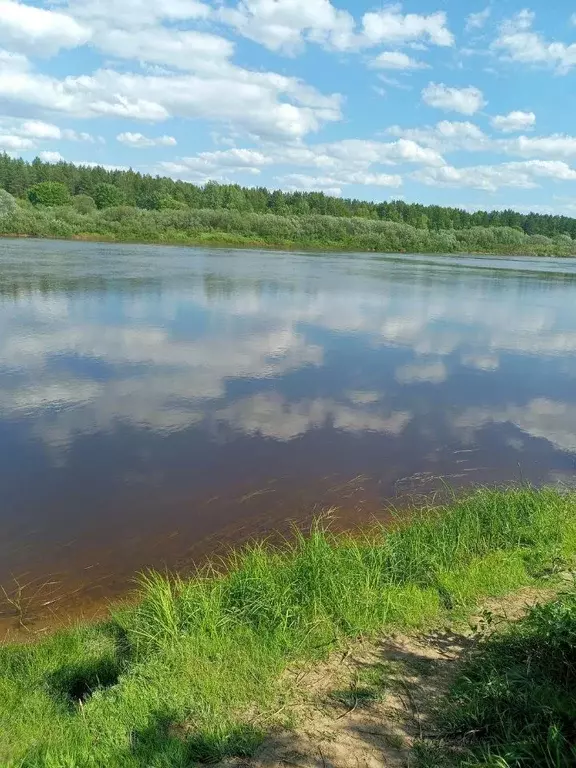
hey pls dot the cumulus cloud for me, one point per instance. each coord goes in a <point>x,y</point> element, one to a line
<point>336,164</point>
<point>50,157</point>
<point>134,14</point>
<point>287,27</point>
<point>333,184</point>
<point>446,136</point>
<point>478,20</point>
<point>14,62</point>
<point>214,165</point>
<point>493,177</point>
<point>10,142</point>
<point>39,31</point>
<point>261,103</point>
<point>391,26</point>
<point>24,135</point>
<point>518,42</point>
<point>396,60</point>
<point>139,141</point>
<point>185,50</point>
<point>38,129</point>
<point>555,145</point>
<point>301,182</point>
<point>514,121</point>
<point>71,135</point>
<point>467,101</point>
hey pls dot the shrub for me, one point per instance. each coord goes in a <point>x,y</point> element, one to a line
<point>49,193</point>
<point>8,204</point>
<point>84,204</point>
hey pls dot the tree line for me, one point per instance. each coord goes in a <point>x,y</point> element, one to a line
<point>88,188</point>
<point>190,226</point>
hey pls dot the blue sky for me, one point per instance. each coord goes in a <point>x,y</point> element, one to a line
<point>435,101</point>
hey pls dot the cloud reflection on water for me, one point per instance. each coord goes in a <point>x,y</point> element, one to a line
<point>291,347</point>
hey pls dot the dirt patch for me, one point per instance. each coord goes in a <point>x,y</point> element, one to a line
<point>369,706</point>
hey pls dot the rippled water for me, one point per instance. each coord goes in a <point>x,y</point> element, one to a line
<point>152,397</point>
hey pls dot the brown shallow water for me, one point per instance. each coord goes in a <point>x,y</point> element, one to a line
<point>158,405</point>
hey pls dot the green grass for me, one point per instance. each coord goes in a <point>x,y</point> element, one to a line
<point>515,702</point>
<point>192,672</point>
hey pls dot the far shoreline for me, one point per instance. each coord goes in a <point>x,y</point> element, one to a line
<point>288,245</point>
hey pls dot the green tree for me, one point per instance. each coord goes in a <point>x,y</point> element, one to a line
<point>84,203</point>
<point>49,193</point>
<point>108,196</point>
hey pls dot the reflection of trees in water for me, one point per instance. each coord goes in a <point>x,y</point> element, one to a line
<point>21,285</point>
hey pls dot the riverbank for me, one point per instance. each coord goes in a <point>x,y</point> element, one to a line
<point>239,229</point>
<point>194,670</point>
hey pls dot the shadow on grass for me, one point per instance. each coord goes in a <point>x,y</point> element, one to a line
<point>165,742</point>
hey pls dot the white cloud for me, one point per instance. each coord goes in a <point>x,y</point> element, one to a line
<point>391,26</point>
<point>300,182</point>
<point>361,154</point>
<point>465,100</point>
<point>96,164</point>
<point>188,50</point>
<point>556,145</point>
<point>478,20</point>
<point>210,165</point>
<point>14,62</point>
<point>337,164</point>
<point>396,60</point>
<point>514,121</point>
<point>39,31</point>
<point>37,129</point>
<point>71,135</point>
<point>135,14</point>
<point>492,177</point>
<point>334,184</point>
<point>287,26</point>
<point>261,103</point>
<point>50,157</point>
<point>517,42</point>
<point>139,141</point>
<point>8,141</point>
<point>446,136</point>
<point>553,169</point>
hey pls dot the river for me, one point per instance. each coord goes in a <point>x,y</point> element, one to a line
<point>158,403</point>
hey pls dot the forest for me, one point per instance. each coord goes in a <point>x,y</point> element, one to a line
<point>64,200</point>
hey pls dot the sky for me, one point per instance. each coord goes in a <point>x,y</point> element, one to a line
<point>446,102</point>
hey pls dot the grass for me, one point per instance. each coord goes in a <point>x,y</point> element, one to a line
<point>192,673</point>
<point>515,702</point>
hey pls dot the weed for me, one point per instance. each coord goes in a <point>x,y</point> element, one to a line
<point>514,704</point>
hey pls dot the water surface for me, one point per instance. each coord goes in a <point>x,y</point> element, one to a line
<point>155,402</point>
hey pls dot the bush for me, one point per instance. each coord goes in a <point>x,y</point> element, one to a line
<point>49,193</point>
<point>8,204</point>
<point>84,204</point>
